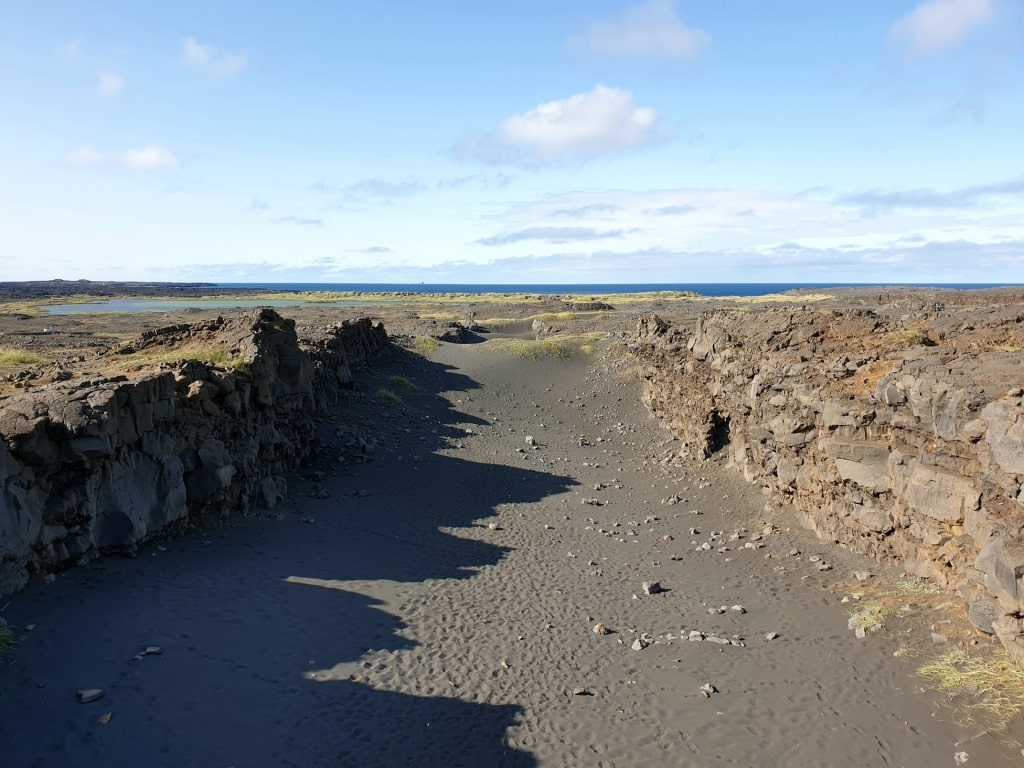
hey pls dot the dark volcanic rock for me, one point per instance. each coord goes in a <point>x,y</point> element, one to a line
<point>102,464</point>
<point>896,431</point>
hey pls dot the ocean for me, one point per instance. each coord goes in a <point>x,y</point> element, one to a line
<point>705,289</point>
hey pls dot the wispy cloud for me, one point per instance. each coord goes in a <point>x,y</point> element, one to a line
<point>148,158</point>
<point>379,188</point>
<point>584,211</point>
<point>940,25</point>
<point>551,235</point>
<point>899,261</point>
<point>210,62</point>
<point>257,204</point>
<point>487,181</point>
<point>601,121</point>
<point>375,249</point>
<point>85,156</point>
<point>299,221</point>
<point>109,83</point>
<point>71,48</point>
<point>652,30</point>
<point>671,210</point>
<point>369,190</point>
<point>875,201</point>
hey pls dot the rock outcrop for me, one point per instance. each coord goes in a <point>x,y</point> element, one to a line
<point>104,463</point>
<point>896,431</point>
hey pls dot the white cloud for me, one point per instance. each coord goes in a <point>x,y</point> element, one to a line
<point>148,158</point>
<point>109,83</point>
<point>939,25</point>
<point>71,48</point>
<point>602,121</point>
<point>645,30</point>
<point>209,62</point>
<point>85,157</point>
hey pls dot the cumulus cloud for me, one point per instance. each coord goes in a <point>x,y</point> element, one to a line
<point>651,30</point>
<point>85,157</point>
<point>109,83</point>
<point>210,62</point>
<point>939,25</point>
<point>601,121</point>
<point>550,235</point>
<point>148,158</point>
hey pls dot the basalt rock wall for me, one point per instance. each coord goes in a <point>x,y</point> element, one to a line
<point>102,464</point>
<point>896,431</point>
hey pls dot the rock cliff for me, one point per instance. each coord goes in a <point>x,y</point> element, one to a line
<point>896,431</point>
<point>103,463</point>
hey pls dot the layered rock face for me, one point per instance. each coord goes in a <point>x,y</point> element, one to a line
<point>104,463</point>
<point>896,431</point>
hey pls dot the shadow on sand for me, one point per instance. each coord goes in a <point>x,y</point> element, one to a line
<point>242,622</point>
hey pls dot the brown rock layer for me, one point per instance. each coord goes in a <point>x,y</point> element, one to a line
<point>897,431</point>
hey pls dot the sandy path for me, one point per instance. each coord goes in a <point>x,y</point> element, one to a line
<point>395,626</point>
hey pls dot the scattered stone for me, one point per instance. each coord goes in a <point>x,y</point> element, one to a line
<point>772,636</point>
<point>89,695</point>
<point>707,689</point>
<point>639,644</point>
<point>104,718</point>
<point>862,575</point>
<point>652,588</point>
<point>601,629</point>
<point>581,692</point>
<point>959,758</point>
<point>738,609</point>
<point>938,639</point>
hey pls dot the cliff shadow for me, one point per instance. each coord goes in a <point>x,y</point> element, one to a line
<point>246,619</point>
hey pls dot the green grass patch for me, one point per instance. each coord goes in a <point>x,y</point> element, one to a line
<point>6,639</point>
<point>423,345</point>
<point>556,347</point>
<point>401,382</point>
<point>10,356</point>
<point>206,353</point>
<point>991,682</point>
<point>389,397</point>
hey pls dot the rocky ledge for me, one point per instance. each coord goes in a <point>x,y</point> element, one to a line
<point>895,430</point>
<point>97,464</point>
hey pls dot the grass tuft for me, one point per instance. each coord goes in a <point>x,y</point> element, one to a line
<point>9,356</point>
<point>558,347</point>
<point>207,353</point>
<point>389,397</point>
<point>992,681</point>
<point>401,382</point>
<point>6,639</point>
<point>424,345</point>
<point>872,616</point>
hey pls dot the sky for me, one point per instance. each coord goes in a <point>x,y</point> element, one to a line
<point>687,141</point>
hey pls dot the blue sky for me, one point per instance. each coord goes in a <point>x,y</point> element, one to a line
<point>531,142</point>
